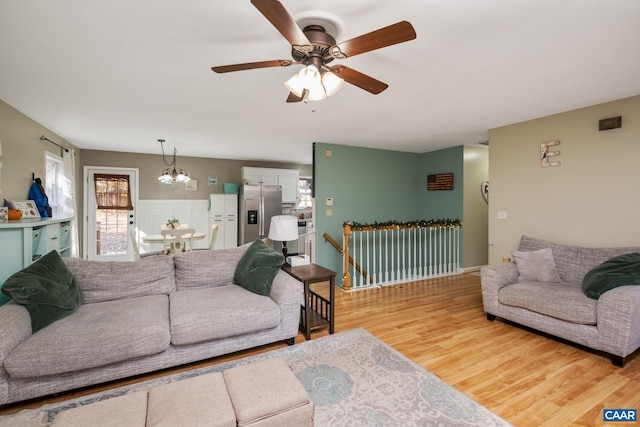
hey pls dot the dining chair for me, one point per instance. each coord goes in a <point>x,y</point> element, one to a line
<point>214,235</point>
<point>181,240</point>
<point>212,239</point>
<point>136,248</point>
<point>134,243</point>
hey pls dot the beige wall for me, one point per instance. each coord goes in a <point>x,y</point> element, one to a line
<point>23,152</point>
<point>151,166</point>
<point>591,199</point>
<point>475,227</point>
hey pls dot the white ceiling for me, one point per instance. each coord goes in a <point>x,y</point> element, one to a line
<point>119,74</point>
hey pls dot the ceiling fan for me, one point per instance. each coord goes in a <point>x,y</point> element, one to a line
<point>313,47</point>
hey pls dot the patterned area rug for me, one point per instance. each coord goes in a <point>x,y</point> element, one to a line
<point>353,379</point>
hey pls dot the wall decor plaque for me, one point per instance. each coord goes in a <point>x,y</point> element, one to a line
<point>440,181</point>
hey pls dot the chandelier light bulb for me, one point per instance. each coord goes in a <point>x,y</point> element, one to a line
<point>182,176</point>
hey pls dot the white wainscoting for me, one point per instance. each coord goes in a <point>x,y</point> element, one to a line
<point>152,214</point>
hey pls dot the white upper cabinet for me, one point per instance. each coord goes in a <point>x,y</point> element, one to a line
<point>287,178</point>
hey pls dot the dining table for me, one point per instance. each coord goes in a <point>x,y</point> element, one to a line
<point>159,238</point>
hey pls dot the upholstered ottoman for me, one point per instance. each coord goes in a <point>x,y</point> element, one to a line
<point>198,401</point>
<point>258,395</point>
<point>268,394</point>
<point>129,410</point>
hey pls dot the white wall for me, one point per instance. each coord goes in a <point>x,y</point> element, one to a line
<point>591,199</point>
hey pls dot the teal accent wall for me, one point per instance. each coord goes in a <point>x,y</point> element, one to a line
<point>369,185</point>
<point>366,185</point>
<point>443,203</point>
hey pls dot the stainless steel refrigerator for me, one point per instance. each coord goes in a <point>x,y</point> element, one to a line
<point>258,203</point>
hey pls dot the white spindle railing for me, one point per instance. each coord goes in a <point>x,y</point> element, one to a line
<point>397,254</point>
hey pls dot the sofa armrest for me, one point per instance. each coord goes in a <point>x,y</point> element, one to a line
<point>15,327</point>
<point>619,320</point>
<point>494,277</point>
<point>287,293</point>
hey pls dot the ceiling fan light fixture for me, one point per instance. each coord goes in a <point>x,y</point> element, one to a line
<point>331,83</point>
<point>309,77</point>
<point>295,86</point>
<point>316,93</point>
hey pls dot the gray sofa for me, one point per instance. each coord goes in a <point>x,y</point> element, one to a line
<point>142,316</point>
<point>610,324</point>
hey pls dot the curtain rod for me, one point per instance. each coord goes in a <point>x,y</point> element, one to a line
<point>44,138</point>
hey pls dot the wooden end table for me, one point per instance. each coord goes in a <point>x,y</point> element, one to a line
<point>317,311</point>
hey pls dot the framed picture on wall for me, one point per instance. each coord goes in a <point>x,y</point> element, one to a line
<point>28,208</point>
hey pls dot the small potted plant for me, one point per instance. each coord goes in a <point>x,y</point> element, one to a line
<point>173,223</point>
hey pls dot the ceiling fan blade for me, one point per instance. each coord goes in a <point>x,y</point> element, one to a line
<point>252,65</point>
<point>393,34</point>
<point>275,12</point>
<point>356,78</point>
<point>294,98</point>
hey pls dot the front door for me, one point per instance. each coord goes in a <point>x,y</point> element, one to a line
<point>107,228</point>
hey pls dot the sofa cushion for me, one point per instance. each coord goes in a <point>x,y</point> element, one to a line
<point>106,281</point>
<point>206,269</point>
<point>536,266</point>
<point>622,270</point>
<point>564,301</point>
<point>46,288</point>
<point>225,311</point>
<point>258,267</point>
<point>95,335</point>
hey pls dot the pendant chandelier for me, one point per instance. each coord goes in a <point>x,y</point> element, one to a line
<point>171,174</point>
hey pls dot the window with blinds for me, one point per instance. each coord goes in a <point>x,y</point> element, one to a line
<point>113,192</point>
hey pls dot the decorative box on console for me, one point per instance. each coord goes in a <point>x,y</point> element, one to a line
<point>297,260</point>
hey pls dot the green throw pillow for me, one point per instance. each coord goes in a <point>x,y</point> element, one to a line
<point>621,270</point>
<point>4,299</point>
<point>257,268</point>
<point>46,288</point>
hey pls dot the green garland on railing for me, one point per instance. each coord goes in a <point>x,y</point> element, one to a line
<point>422,223</point>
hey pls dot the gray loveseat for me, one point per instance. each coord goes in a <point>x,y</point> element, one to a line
<point>610,323</point>
<point>142,316</point>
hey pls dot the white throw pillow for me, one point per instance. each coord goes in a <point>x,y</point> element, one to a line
<point>536,266</point>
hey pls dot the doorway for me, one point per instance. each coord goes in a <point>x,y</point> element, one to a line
<point>110,198</point>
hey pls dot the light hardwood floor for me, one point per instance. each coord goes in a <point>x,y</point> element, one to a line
<point>527,378</point>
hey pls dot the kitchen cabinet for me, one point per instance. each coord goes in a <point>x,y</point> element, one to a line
<point>257,176</point>
<point>224,213</point>
<point>287,178</point>
<point>26,240</point>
